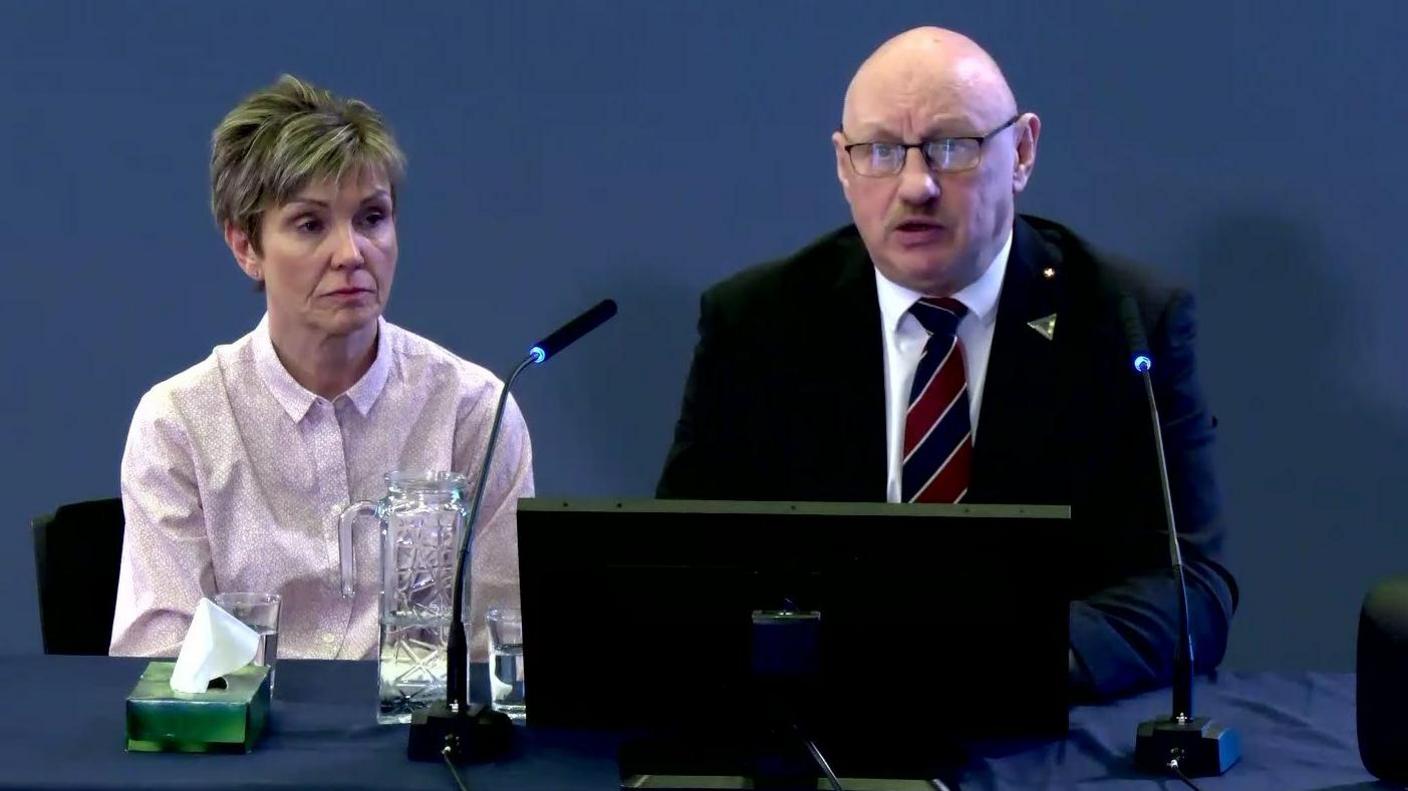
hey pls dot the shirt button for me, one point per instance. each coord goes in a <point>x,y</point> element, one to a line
<point>328,637</point>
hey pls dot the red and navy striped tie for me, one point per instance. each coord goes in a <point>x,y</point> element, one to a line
<point>938,436</point>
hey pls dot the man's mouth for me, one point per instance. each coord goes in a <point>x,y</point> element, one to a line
<point>919,231</point>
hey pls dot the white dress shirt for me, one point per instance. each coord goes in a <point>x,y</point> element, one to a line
<point>904,339</point>
<point>234,476</point>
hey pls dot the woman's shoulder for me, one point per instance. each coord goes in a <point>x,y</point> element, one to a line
<point>420,359</point>
<point>201,386</point>
<point>437,374</point>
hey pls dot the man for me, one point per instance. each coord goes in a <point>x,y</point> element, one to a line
<point>943,348</point>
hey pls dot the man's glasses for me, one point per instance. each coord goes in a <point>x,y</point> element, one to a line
<point>942,155</point>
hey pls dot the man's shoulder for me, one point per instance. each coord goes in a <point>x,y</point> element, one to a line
<point>818,266</point>
<point>1098,273</point>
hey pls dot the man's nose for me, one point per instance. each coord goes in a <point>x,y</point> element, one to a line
<point>917,182</point>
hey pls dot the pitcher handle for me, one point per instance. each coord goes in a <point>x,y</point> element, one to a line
<point>345,549</point>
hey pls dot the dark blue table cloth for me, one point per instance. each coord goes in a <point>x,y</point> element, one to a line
<point>63,728</point>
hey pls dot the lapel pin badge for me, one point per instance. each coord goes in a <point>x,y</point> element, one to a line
<point>1045,326</point>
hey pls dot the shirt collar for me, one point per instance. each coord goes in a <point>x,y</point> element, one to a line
<point>364,393</point>
<point>296,399</point>
<point>980,296</point>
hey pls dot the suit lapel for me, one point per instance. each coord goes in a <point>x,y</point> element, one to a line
<point>856,377</point>
<point>1024,394</point>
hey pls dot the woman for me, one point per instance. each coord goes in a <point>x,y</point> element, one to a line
<point>236,469</point>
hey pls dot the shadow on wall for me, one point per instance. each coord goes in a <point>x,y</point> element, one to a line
<point>1308,529</point>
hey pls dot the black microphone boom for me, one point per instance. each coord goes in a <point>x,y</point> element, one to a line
<point>1183,652</point>
<point>455,730</point>
<point>1194,746</point>
<point>567,334</point>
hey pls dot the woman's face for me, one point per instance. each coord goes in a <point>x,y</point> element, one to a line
<point>327,256</point>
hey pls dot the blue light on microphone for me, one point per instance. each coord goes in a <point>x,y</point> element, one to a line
<point>1142,363</point>
<point>537,354</point>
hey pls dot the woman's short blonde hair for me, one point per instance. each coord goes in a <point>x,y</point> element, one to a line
<point>281,138</point>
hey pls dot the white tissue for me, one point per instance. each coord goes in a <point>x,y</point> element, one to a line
<point>216,644</point>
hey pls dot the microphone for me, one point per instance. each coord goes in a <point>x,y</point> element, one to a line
<point>454,730</point>
<point>1181,743</point>
<point>572,331</point>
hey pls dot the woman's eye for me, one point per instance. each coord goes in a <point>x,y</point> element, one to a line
<point>374,217</point>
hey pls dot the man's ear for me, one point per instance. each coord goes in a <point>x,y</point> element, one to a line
<point>843,170</point>
<point>243,249</point>
<point>1028,131</point>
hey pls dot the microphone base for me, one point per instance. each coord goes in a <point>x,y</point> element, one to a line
<point>1203,747</point>
<point>477,733</point>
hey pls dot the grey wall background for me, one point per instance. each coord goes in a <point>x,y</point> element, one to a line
<point>561,152</point>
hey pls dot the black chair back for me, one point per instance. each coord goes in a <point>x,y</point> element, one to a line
<point>1381,683</point>
<point>77,553</point>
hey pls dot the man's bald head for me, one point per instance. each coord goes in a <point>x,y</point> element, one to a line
<point>948,67</point>
<point>938,223</point>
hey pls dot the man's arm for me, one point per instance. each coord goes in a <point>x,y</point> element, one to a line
<point>166,565</point>
<point>692,468</point>
<point>1123,637</point>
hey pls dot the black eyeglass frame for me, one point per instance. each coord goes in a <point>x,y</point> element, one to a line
<point>922,145</point>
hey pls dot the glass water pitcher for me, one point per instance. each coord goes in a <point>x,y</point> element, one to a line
<point>423,517</point>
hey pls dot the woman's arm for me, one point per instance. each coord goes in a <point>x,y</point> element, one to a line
<point>166,565</point>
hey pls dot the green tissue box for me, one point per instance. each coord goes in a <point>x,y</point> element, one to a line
<point>230,720</point>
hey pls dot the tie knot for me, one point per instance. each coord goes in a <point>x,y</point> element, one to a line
<point>939,315</point>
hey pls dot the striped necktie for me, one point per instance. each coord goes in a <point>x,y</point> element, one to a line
<point>938,437</point>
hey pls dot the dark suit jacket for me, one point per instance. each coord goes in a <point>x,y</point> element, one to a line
<point>785,401</point>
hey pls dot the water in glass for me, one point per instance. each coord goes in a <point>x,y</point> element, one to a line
<point>506,679</point>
